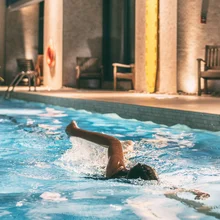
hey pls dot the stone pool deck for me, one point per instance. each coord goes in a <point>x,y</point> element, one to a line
<point>196,112</point>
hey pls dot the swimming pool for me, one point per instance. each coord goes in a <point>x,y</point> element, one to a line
<point>44,175</point>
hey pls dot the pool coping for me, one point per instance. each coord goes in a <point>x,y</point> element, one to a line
<point>159,115</point>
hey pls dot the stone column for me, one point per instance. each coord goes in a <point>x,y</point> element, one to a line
<point>53,33</point>
<point>2,36</point>
<point>151,63</point>
<point>146,44</point>
<point>140,38</point>
<point>167,75</point>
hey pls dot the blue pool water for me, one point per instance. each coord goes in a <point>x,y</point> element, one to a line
<point>46,175</point>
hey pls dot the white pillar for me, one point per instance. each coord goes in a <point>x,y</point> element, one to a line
<point>140,39</point>
<point>53,31</point>
<point>2,36</point>
<point>167,75</point>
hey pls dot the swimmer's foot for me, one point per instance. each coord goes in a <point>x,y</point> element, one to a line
<point>70,127</point>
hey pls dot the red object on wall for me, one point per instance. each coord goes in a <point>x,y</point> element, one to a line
<point>51,56</point>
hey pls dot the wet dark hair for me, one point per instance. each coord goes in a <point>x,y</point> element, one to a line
<point>120,174</point>
<point>142,171</point>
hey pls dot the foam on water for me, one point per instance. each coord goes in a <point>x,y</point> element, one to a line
<point>53,196</point>
<point>20,112</point>
<point>181,127</point>
<point>84,157</point>
<point>86,195</point>
<point>113,116</point>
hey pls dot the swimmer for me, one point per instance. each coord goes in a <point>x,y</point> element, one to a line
<point>116,166</point>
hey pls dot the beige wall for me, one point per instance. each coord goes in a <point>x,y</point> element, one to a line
<point>140,39</point>
<point>53,32</point>
<point>82,34</point>
<point>2,36</point>
<point>21,37</point>
<point>192,38</point>
<point>167,72</point>
<point>76,29</point>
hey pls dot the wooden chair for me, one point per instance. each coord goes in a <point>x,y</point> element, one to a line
<point>211,67</point>
<point>88,68</point>
<point>25,65</point>
<point>26,70</point>
<point>39,66</point>
<point>130,75</point>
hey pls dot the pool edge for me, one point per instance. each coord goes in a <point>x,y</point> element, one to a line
<point>166,116</point>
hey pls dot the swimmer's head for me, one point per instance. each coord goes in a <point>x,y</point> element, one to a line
<point>142,171</point>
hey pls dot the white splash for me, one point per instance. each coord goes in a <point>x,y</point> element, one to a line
<point>151,209</point>
<point>50,112</point>
<point>20,111</point>
<point>86,195</point>
<point>53,196</point>
<point>113,116</point>
<point>49,127</point>
<point>42,165</point>
<point>19,204</point>
<point>84,157</point>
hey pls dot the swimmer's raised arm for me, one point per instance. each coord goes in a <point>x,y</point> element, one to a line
<point>115,151</point>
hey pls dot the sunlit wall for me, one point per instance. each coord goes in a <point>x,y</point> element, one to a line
<point>21,37</point>
<point>140,41</point>
<point>82,34</point>
<point>29,34</point>
<point>53,34</point>
<point>167,57</point>
<point>192,38</point>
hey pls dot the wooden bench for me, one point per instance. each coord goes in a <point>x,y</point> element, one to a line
<point>211,68</point>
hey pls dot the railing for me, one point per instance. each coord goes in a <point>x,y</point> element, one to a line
<point>30,75</point>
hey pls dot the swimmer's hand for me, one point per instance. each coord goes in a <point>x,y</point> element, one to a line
<point>199,194</point>
<point>71,127</point>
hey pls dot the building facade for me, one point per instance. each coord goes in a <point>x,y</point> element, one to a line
<point>169,36</point>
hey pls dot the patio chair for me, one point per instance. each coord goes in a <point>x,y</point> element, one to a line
<point>211,67</point>
<point>119,74</point>
<point>88,68</point>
